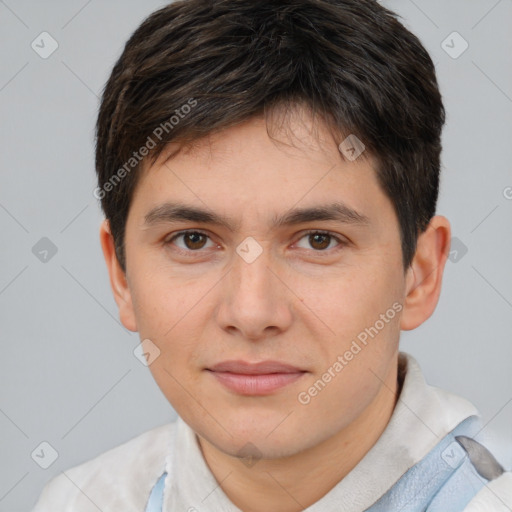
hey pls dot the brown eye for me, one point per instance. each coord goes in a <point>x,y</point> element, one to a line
<point>319,241</point>
<point>192,241</point>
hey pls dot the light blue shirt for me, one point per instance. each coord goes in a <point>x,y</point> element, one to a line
<point>445,480</point>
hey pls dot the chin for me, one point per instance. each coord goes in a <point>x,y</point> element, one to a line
<point>255,439</point>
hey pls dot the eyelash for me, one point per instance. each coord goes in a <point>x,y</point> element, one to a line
<point>191,253</point>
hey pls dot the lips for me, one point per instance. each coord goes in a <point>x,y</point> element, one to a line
<point>245,368</point>
<point>255,379</point>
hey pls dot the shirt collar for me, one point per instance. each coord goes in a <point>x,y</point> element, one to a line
<point>422,416</point>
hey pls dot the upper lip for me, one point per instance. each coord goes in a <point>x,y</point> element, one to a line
<point>246,368</point>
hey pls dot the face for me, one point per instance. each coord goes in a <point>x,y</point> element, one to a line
<point>265,278</point>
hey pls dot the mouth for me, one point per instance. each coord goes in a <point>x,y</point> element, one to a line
<point>255,379</point>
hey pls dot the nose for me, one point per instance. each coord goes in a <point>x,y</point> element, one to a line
<point>255,302</point>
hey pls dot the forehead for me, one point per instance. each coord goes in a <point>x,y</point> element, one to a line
<point>286,176</point>
<point>292,129</point>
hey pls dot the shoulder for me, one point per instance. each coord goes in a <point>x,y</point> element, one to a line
<point>118,479</point>
<point>495,496</point>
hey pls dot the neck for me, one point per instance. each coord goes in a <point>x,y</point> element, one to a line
<point>294,483</point>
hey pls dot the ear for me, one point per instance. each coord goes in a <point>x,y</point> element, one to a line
<point>118,280</point>
<point>424,276</point>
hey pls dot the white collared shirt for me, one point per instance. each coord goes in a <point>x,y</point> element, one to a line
<point>121,479</point>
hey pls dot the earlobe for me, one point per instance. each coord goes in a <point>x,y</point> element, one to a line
<point>118,280</point>
<point>424,276</point>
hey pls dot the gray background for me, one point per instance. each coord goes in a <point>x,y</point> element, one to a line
<point>68,373</point>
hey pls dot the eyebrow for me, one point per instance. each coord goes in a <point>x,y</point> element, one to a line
<point>337,211</point>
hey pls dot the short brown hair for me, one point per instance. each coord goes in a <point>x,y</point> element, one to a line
<point>196,66</point>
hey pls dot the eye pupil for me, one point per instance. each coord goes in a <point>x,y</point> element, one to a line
<point>314,238</point>
<point>192,237</point>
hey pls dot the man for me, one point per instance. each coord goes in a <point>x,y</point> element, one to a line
<point>269,174</point>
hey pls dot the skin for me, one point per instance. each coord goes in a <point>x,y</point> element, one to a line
<point>298,302</point>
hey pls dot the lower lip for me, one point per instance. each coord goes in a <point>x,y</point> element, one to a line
<point>256,384</point>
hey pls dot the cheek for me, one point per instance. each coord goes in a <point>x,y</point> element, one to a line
<point>354,370</point>
<point>172,313</point>
<point>162,301</point>
<point>171,319</point>
<point>343,398</point>
<point>346,299</point>
<point>362,311</point>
